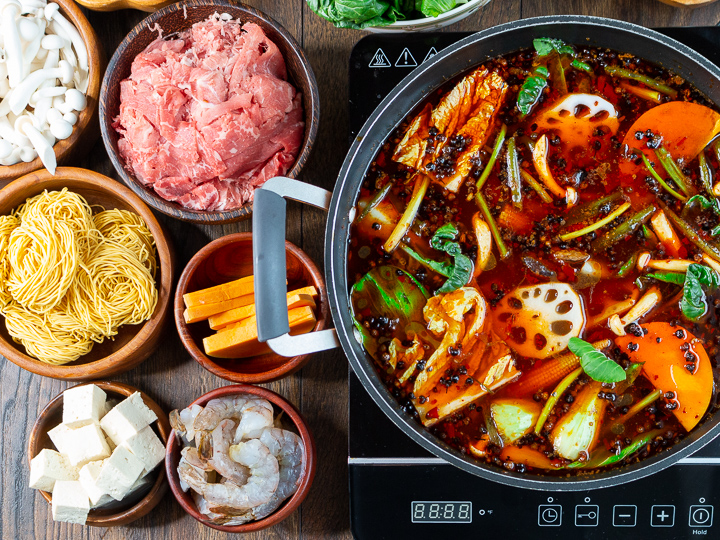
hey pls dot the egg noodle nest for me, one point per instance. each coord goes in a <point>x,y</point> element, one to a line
<point>69,278</point>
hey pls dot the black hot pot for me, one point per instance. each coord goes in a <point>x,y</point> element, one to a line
<point>269,225</point>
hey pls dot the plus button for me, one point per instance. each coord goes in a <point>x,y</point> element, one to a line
<point>662,516</point>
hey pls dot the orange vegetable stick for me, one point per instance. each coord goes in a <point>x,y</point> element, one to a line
<point>668,369</point>
<point>201,312</point>
<point>235,315</point>
<point>240,340</point>
<point>220,293</point>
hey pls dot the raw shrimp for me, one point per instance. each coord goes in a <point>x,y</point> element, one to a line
<point>288,449</point>
<point>182,421</point>
<point>217,453</point>
<point>190,475</point>
<point>259,489</point>
<point>257,414</point>
<point>218,410</point>
<point>226,518</point>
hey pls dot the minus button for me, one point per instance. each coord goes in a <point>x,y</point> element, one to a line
<point>624,515</point>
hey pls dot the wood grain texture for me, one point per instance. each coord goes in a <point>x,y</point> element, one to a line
<point>173,379</point>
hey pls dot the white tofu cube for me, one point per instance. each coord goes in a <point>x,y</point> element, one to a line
<point>88,477</point>
<point>48,467</point>
<point>61,435</point>
<point>86,444</point>
<point>70,503</point>
<point>118,473</point>
<point>147,447</point>
<point>83,405</point>
<point>127,418</point>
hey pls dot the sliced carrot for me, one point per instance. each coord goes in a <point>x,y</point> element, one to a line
<point>685,373</point>
<point>239,340</point>
<point>686,128</point>
<point>236,315</point>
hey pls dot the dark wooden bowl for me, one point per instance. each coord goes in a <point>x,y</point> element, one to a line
<point>86,131</point>
<point>178,17</point>
<point>51,416</point>
<point>172,458</point>
<point>133,343</point>
<point>226,259</point>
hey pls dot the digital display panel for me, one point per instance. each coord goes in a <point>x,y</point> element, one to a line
<point>441,512</point>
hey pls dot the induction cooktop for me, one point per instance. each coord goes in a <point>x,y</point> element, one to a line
<point>400,491</point>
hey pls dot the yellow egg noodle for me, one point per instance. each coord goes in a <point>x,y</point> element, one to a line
<point>69,278</point>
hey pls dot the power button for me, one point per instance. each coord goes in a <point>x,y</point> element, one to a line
<point>701,515</point>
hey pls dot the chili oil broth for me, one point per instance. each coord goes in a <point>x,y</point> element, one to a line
<point>593,170</point>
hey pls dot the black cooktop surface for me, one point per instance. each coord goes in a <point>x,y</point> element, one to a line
<point>401,491</point>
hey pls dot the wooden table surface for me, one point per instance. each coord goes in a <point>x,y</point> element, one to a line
<point>319,390</point>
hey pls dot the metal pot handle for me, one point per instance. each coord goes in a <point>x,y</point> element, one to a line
<point>268,222</point>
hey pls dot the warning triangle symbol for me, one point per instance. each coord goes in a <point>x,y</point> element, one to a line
<point>406,59</point>
<point>432,52</point>
<point>379,60</point>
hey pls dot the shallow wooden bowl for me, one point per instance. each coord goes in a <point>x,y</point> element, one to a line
<point>687,3</point>
<point>86,131</point>
<point>226,259</point>
<point>114,5</point>
<point>178,17</point>
<point>133,343</point>
<point>51,416</point>
<point>172,458</point>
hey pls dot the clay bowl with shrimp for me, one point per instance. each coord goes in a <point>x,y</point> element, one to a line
<point>283,413</point>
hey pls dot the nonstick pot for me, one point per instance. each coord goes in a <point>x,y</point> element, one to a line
<point>269,225</point>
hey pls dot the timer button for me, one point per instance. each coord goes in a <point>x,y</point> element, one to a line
<point>701,515</point>
<point>549,515</point>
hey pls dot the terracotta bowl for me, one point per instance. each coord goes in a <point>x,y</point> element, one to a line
<point>86,130</point>
<point>51,416</point>
<point>133,343</point>
<point>291,414</point>
<point>178,17</point>
<point>226,259</point>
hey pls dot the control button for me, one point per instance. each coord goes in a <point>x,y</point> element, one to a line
<point>701,515</point>
<point>624,515</point>
<point>587,515</point>
<point>662,516</point>
<point>549,515</point>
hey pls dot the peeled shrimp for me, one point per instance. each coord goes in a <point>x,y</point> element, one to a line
<point>288,449</point>
<point>227,518</point>
<point>191,476</point>
<point>182,421</point>
<point>218,457</point>
<point>218,410</point>
<point>257,414</point>
<point>259,489</point>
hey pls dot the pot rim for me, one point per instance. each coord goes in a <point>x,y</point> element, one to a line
<point>338,228</point>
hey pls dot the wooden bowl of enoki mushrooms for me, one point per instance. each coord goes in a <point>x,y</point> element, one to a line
<point>281,459</point>
<point>41,332</point>
<point>60,87</point>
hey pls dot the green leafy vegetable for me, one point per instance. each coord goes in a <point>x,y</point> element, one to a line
<point>669,277</point>
<point>444,268</point>
<point>360,14</point>
<point>461,270</point>
<point>597,366</point>
<point>545,46</point>
<point>693,304</point>
<point>532,89</point>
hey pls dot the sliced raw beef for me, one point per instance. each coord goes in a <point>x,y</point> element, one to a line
<point>207,117</point>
